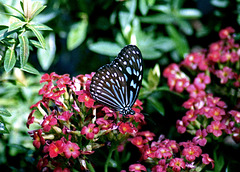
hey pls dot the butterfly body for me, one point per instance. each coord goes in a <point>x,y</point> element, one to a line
<point>117,84</point>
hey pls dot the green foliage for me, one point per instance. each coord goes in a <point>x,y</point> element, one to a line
<point>3,112</point>
<point>163,30</point>
<point>16,37</point>
<point>77,34</point>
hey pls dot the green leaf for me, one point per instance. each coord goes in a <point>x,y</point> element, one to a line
<point>3,27</point>
<point>16,25</point>
<point>153,77</point>
<point>146,43</point>
<point>151,2</point>
<point>164,44</point>
<point>166,89</point>
<point>157,19</point>
<point>185,27</point>
<point>3,34</point>
<point>157,105</point>
<point>124,18</point>
<point>220,3</point>
<point>38,35</point>
<point>105,48</point>
<point>190,13</point>
<point>176,4</point>
<point>3,128</point>
<point>77,34</point>
<point>180,41</point>
<point>9,59</point>
<point>150,53</point>
<point>41,27</point>
<point>46,56</point>
<point>218,160</point>
<point>4,112</point>
<point>24,50</point>
<point>37,8</point>
<point>131,6</point>
<point>28,68</point>
<point>143,7</point>
<point>162,8</point>
<point>15,10</point>
<point>36,43</point>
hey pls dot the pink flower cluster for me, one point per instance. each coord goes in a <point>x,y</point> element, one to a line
<point>168,155</point>
<point>72,125</point>
<point>217,73</point>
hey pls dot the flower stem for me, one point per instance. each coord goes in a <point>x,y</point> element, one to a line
<point>108,158</point>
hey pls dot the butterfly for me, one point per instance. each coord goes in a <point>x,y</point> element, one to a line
<point>117,84</point>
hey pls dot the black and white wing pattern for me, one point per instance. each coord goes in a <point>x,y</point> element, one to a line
<point>117,84</point>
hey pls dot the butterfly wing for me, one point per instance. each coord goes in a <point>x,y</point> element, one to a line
<point>117,84</point>
<point>129,62</point>
<point>108,87</point>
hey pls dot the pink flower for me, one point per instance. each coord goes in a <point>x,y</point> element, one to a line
<point>207,160</point>
<point>215,101</point>
<point>181,84</point>
<point>48,78</point>
<point>225,74</point>
<point>48,122</point>
<point>214,56</point>
<point>127,128</point>
<point>104,124</point>
<point>216,46</point>
<point>163,152</point>
<point>63,81</point>
<point>66,115</point>
<point>236,115</point>
<point>190,116</point>
<point>237,82</point>
<point>158,168</point>
<point>59,169</point>
<point>195,92</point>
<point>173,145</point>
<point>201,80</point>
<point>193,59</point>
<point>137,168</point>
<point>225,33</point>
<point>216,113</point>
<point>30,118</point>
<point>43,162</point>
<point>138,141</point>
<point>90,131</point>
<point>149,135</point>
<point>177,80</point>
<point>138,104</point>
<point>177,164</point>
<point>216,128</point>
<point>192,152</point>
<point>56,148</point>
<point>171,70</point>
<point>181,128</point>
<point>38,139</point>
<point>84,96</point>
<point>71,149</point>
<point>200,137</point>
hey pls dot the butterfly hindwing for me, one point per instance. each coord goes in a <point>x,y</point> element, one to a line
<point>117,84</point>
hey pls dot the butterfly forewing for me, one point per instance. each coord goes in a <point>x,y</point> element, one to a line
<point>117,84</point>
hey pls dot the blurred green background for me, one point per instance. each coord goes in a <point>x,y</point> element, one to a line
<point>87,34</point>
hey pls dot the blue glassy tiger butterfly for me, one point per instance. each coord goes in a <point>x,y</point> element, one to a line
<point>117,84</point>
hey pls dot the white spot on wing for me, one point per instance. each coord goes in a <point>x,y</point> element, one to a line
<point>129,70</point>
